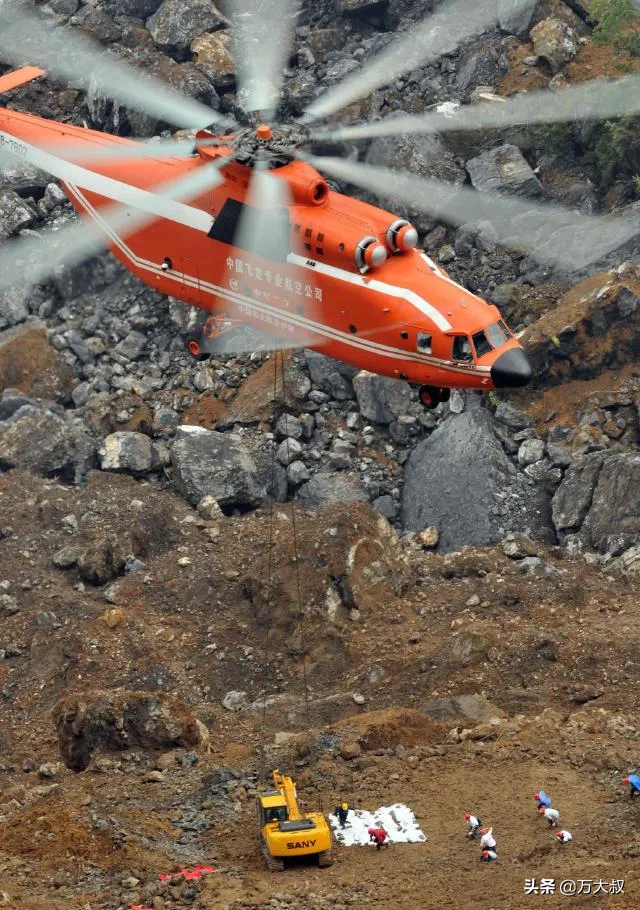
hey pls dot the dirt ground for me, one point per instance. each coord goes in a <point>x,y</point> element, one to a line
<point>554,661</point>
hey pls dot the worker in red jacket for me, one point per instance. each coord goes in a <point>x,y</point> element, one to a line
<point>378,836</point>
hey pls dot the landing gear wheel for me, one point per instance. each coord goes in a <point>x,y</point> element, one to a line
<point>429,397</point>
<point>325,859</point>
<point>195,349</point>
<point>445,394</point>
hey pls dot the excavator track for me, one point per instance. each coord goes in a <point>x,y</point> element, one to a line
<point>274,863</point>
<point>325,859</point>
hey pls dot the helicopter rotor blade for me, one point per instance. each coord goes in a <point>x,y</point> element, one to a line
<point>599,98</point>
<point>126,150</point>
<point>262,38</point>
<point>264,231</point>
<point>70,56</point>
<point>440,33</point>
<point>34,259</point>
<point>547,232</point>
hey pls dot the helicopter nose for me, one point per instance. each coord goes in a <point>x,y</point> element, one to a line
<point>511,370</point>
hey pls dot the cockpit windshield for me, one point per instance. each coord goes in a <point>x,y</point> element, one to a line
<point>490,338</point>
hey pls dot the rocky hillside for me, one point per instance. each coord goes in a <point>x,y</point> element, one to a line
<point>458,587</point>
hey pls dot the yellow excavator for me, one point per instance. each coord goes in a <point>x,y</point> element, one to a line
<point>285,832</point>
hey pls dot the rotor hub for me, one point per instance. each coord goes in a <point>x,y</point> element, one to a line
<point>277,145</point>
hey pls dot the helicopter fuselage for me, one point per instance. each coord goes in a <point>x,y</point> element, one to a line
<point>401,316</point>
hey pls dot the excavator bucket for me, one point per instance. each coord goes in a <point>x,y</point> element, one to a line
<point>19,77</point>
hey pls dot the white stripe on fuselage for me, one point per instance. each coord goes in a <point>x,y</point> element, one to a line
<point>265,310</point>
<point>124,193</point>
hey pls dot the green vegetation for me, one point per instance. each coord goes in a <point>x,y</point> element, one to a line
<point>613,18</point>
<point>617,149</point>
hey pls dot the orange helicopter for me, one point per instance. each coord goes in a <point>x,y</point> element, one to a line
<point>238,222</point>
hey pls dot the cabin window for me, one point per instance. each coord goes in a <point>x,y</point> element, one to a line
<point>276,814</point>
<point>505,328</point>
<point>481,344</point>
<point>461,349</point>
<point>423,343</point>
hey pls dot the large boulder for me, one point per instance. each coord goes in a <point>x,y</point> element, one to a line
<point>213,56</point>
<point>327,489</point>
<point>503,170</point>
<point>29,363</point>
<point>15,214</point>
<point>554,41</point>
<point>613,521</point>
<point>572,500</point>
<point>42,442</point>
<point>380,399</point>
<point>208,463</point>
<point>514,16</point>
<point>426,155</point>
<point>482,65</point>
<point>132,452</point>
<point>331,376</point>
<point>177,22</point>
<point>123,720</point>
<point>460,480</point>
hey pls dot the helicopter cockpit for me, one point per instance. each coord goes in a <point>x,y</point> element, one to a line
<point>467,348</point>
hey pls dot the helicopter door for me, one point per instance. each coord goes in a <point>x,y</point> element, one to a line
<point>190,281</point>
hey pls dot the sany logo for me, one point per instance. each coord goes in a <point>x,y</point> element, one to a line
<point>299,844</point>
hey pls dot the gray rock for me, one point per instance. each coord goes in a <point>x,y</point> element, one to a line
<point>138,9</point>
<point>288,425</point>
<point>37,440</point>
<point>165,421</point>
<point>13,307</point>
<point>288,450</point>
<point>297,473</point>
<point>556,41</point>
<point>331,376</point>
<point>533,565</point>
<point>353,7</point>
<point>512,417</point>
<point>503,169</point>
<point>177,22</point>
<point>235,700</point>
<point>327,489</point>
<point>514,16</point>
<point>132,346</point>
<point>530,451</point>
<point>477,510</point>
<point>218,464</point>
<point>63,7</point>
<point>559,454</point>
<point>613,521</point>
<point>387,506</point>
<point>627,302</point>
<point>482,65</point>
<point>15,214</point>
<point>572,500</point>
<point>380,399</point>
<point>67,557</point>
<point>78,345</point>
<point>128,451</point>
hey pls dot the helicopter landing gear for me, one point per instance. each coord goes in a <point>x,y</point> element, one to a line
<point>195,349</point>
<point>430,396</point>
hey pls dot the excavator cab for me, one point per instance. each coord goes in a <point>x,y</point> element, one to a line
<point>285,832</point>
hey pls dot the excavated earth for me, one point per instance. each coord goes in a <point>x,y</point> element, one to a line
<point>449,683</point>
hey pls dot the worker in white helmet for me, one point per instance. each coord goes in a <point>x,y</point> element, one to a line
<point>564,837</point>
<point>473,825</point>
<point>551,815</point>
<point>488,841</point>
